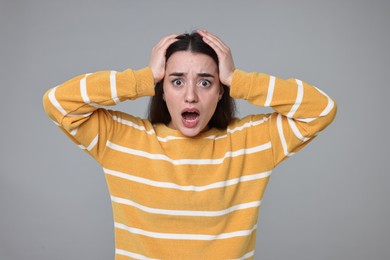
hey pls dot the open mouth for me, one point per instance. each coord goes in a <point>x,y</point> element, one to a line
<point>190,118</point>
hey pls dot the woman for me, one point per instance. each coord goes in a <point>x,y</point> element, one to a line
<point>188,182</point>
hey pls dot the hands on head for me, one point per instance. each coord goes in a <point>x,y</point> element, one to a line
<point>226,64</point>
<point>157,59</point>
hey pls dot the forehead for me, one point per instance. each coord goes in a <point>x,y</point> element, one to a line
<point>186,61</point>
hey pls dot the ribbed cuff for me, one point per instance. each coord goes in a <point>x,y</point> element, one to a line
<point>241,84</point>
<point>145,82</point>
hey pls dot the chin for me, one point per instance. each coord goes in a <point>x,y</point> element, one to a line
<point>190,132</point>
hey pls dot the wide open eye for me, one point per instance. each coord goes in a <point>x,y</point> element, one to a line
<point>177,82</point>
<point>205,83</point>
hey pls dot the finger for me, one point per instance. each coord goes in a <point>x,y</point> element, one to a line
<point>213,44</point>
<point>222,51</point>
<point>157,58</point>
<point>160,48</point>
<point>167,40</point>
<point>214,40</point>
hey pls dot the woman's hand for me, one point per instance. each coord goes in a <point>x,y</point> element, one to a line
<point>157,59</point>
<point>226,64</point>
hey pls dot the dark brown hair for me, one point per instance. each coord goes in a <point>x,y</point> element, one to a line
<point>158,110</point>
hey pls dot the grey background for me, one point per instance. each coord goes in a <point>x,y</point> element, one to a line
<point>330,201</point>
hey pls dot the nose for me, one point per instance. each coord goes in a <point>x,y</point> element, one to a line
<point>191,95</point>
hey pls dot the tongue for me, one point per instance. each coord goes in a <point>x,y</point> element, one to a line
<point>190,115</point>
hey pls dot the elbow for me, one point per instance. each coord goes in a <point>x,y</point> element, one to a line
<point>323,121</point>
<point>46,102</point>
<point>329,117</point>
<point>49,108</point>
<point>332,114</point>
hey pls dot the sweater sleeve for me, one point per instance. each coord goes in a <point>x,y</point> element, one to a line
<point>76,105</point>
<point>301,110</point>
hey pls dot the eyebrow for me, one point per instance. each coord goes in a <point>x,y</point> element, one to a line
<point>180,74</point>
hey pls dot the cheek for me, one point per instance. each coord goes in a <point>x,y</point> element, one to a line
<point>212,104</point>
<point>171,101</point>
<point>166,95</point>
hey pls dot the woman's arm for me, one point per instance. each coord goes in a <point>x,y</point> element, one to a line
<point>301,110</point>
<point>75,106</point>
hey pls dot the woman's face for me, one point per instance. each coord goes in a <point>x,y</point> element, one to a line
<point>191,91</point>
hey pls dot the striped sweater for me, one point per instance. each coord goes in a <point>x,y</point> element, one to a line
<point>175,197</point>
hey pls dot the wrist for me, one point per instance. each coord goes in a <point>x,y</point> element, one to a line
<point>145,81</point>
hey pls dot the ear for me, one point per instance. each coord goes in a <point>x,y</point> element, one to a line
<point>163,96</point>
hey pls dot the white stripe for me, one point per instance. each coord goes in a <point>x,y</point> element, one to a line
<point>74,131</point>
<point>296,130</point>
<point>57,124</point>
<point>281,135</point>
<point>114,94</point>
<point>248,124</point>
<point>171,185</point>
<point>214,137</point>
<point>138,231</point>
<point>239,128</point>
<point>326,111</point>
<point>129,123</point>
<point>169,138</point>
<point>93,143</point>
<point>188,161</point>
<point>83,89</point>
<point>298,100</point>
<point>131,254</point>
<point>306,120</point>
<point>142,128</point>
<point>188,213</point>
<point>270,91</point>
<point>53,100</point>
<point>138,256</point>
<point>330,105</point>
<point>82,115</point>
<point>247,255</point>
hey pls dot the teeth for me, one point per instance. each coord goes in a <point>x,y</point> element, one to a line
<point>190,120</point>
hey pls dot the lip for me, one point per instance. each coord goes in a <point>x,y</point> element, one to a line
<point>190,110</point>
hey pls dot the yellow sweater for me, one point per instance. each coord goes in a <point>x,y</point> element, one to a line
<point>175,197</point>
